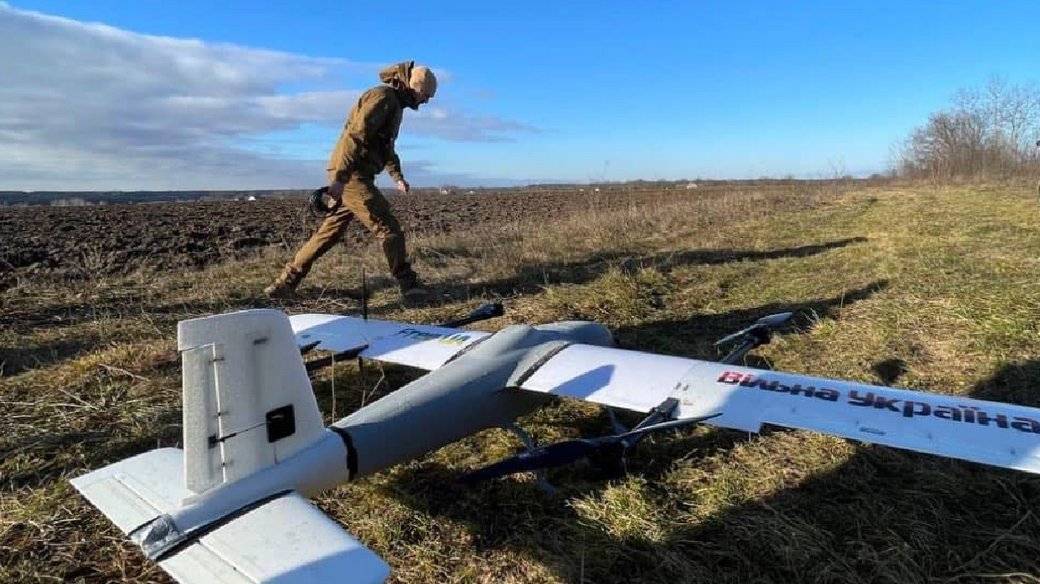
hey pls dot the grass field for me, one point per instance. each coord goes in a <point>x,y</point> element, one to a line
<point>923,287</point>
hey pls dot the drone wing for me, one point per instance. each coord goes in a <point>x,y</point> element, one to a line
<point>286,539</point>
<point>988,432</point>
<point>415,345</point>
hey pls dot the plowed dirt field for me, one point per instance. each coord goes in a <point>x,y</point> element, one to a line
<point>74,242</point>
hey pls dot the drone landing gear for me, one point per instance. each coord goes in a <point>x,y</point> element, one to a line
<point>530,445</point>
<point>615,424</point>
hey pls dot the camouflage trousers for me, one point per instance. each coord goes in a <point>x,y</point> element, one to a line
<point>361,199</point>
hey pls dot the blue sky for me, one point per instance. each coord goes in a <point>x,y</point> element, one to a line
<point>583,91</point>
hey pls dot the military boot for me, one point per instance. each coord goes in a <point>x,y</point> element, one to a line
<point>285,286</point>
<point>413,293</point>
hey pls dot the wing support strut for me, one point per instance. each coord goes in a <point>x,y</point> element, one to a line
<point>530,445</point>
<point>331,358</point>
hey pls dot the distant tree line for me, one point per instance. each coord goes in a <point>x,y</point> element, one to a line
<point>81,198</point>
<point>987,132</point>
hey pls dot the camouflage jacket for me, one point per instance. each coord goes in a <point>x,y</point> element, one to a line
<point>366,145</point>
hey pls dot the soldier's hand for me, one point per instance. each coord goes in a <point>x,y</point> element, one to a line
<point>336,190</point>
<point>403,186</point>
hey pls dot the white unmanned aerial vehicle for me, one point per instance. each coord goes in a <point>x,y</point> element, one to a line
<point>231,508</point>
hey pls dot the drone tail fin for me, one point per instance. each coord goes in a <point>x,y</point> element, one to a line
<point>247,400</point>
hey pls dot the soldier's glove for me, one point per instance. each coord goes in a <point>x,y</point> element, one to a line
<point>318,204</point>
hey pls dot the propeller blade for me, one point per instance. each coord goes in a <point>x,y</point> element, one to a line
<point>485,311</point>
<point>762,326</point>
<point>633,437</point>
<point>669,424</point>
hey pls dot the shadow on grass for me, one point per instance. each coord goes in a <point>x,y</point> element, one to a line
<point>533,277</point>
<point>15,360</point>
<point>530,278</point>
<point>695,336</point>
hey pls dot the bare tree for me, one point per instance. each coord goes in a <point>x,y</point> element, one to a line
<point>985,132</point>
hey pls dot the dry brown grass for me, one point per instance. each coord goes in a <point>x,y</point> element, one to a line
<point>936,283</point>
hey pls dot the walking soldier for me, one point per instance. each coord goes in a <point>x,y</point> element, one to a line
<point>365,148</point>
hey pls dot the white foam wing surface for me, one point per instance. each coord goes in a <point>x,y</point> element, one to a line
<point>414,345</point>
<point>993,433</point>
<point>286,540</point>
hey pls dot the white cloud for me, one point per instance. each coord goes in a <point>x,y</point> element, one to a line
<point>88,106</point>
<point>443,123</point>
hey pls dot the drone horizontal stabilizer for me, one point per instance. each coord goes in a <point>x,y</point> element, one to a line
<point>414,345</point>
<point>286,539</point>
<point>992,433</point>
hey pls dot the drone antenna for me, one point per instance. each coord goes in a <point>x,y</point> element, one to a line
<point>364,294</point>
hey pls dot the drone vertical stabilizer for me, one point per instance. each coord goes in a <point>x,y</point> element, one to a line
<point>247,400</point>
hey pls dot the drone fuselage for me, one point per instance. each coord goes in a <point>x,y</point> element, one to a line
<point>469,394</point>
